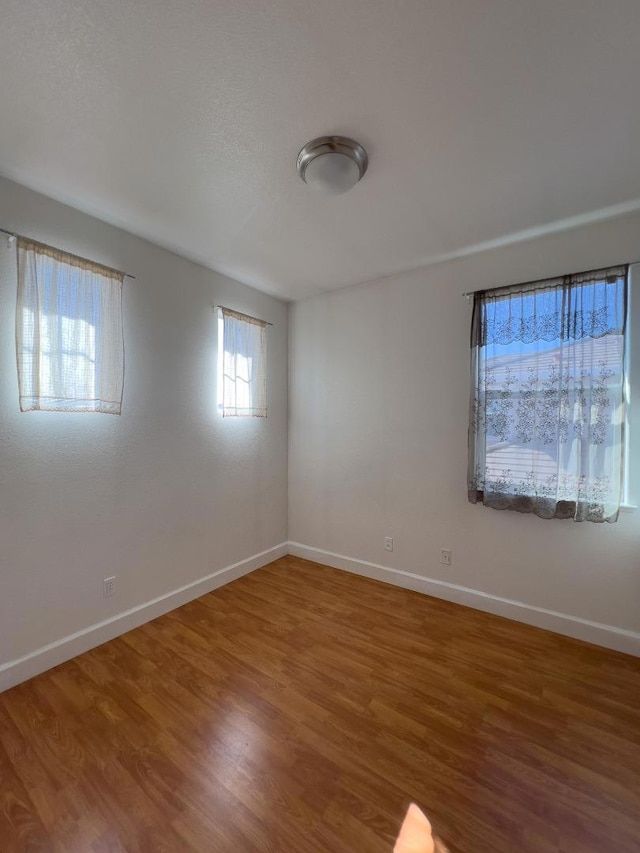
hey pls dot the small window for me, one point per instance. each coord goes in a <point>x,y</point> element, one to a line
<point>244,356</point>
<point>69,337</point>
<point>548,397</point>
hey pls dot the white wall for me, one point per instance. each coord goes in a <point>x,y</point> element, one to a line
<point>379,390</point>
<point>170,493</point>
<point>163,495</point>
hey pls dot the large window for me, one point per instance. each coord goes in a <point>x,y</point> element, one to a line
<point>548,396</point>
<point>243,347</point>
<point>69,337</point>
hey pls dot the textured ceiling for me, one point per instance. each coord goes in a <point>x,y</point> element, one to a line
<point>180,120</point>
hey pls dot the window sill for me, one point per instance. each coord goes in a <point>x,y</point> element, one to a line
<point>629,508</point>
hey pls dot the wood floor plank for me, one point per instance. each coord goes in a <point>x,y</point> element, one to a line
<point>302,708</point>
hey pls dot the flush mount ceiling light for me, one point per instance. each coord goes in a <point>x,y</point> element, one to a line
<point>332,164</point>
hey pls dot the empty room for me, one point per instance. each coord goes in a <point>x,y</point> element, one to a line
<point>319,426</point>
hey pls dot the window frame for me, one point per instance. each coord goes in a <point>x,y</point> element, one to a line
<point>54,286</point>
<point>491,425</point>
<point>631,484</point>
<point>253,410</point>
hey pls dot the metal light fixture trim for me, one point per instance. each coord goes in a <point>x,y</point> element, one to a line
<point>333,145</point>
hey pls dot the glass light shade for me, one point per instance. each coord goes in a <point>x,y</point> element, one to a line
<point>332,173</point>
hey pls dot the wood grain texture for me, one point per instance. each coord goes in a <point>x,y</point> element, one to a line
<point>302,708</point>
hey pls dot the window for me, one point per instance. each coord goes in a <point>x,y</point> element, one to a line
<point>548,396</point>
<point>244,356</point>
<point>69,337</point>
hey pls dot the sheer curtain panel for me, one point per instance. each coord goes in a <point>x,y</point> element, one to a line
<point>69,337</point>
<point>244,366</point>
<point>547,410</point>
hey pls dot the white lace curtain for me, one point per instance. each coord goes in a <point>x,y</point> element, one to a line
<point>548,397</point>
<point>244,378</point>
<point>69,336</point>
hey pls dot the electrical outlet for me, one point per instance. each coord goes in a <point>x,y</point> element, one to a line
<point>108,586</point>
<point>388,543</point>
<point>445,556</point>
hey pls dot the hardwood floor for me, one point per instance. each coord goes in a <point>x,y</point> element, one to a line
<point>302,709</point>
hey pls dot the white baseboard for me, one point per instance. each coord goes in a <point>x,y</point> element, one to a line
<point>15,671</point>
<point>18,670</point>
<point>608,636</point>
